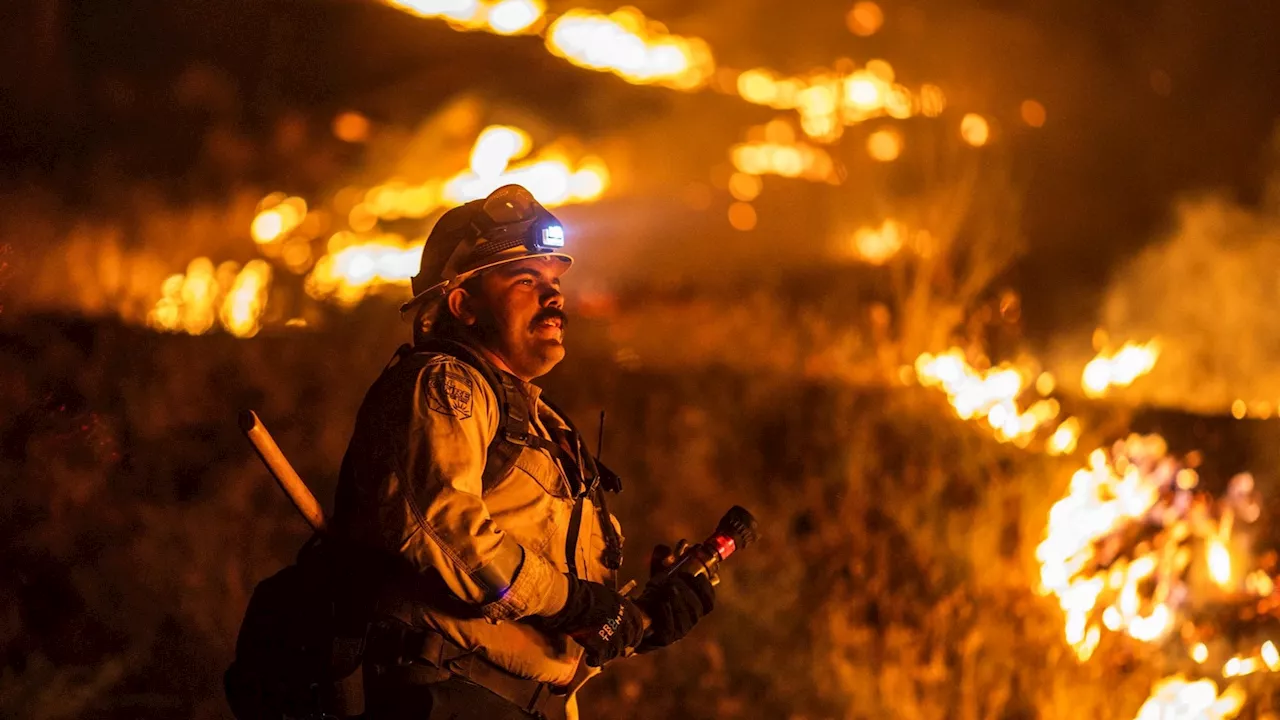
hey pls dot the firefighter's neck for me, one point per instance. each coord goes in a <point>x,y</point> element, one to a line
<point>499,363</point>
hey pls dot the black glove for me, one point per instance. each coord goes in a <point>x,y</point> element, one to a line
<point>598,619</point>
<point>675,604</point>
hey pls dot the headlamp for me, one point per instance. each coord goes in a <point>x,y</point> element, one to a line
<point>552,237</point>
<point>511,217</point>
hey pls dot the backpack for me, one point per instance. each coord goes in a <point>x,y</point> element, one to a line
<point>300,646</point>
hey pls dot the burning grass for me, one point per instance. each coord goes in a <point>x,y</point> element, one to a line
<point>895,578</point>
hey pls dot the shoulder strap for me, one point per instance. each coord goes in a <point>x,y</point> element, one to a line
<point>513,417</point>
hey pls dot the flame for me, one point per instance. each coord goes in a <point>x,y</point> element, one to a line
<point>828,100</point>
<point>1270,656</point>
<point>352,268</point>
<point>991,394</point>
<point>194,301</point>
<point>508,17</point>
<point>504,17</point>
<point>1114,490</point>
<point>1219,562</point>
<point>631,47</point>
<point>1064,438</point>
<point>243,305</point>
<point>1200,653</point>
<point>1119,369</point>
<point>788,159</point>
<point>551,178</point>
<point>496,147</point>
<point>1174,698</point>
<point>277,217</point>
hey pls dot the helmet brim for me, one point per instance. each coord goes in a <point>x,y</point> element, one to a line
<point>443,286</point>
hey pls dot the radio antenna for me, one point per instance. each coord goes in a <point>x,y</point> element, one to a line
<point>600,437</point>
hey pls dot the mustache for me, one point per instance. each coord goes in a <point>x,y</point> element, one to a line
<point>550,313</point>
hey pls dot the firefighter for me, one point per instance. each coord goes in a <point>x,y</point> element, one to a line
<point>486,494</point>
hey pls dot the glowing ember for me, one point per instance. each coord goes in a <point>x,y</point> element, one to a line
<point>631,47</point>
<point>1119,369</point>
<point>864,19</point>
<point>884,145</point>
<point>1174,698</point>
<point>974,130</point>
<point>878,245</point>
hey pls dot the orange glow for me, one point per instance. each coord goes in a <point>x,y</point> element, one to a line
<point>884,145</point>
<point>1033,113</point>
<point>351,127</point>
<point>744,186</point>
<point>877,245</point>
<point>974,130</point>
<point>742,216</point>
<point>864,19</point>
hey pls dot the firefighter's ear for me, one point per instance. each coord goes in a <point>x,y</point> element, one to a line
<point>462,306</point>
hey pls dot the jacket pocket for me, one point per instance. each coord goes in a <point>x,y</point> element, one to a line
<point>539,466</point>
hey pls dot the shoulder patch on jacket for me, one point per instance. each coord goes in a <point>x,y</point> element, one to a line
<point>451,392</point>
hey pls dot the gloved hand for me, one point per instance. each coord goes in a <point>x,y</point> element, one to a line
<point>599,619</point>
<point>675,604</point>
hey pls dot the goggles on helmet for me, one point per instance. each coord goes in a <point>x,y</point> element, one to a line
<point>511,218</point>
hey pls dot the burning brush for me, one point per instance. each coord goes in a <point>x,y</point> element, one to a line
<point>1137,548</point>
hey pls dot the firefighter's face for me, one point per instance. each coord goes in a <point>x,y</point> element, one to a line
<point>518,314</point>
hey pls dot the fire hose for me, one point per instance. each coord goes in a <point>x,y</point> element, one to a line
<point>735,531</point>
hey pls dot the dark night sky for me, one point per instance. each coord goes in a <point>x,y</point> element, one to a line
<point>1146,99</point>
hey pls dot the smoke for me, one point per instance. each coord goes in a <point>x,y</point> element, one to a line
<point>1209,292</point>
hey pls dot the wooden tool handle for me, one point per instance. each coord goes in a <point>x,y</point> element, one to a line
<point>288,479</point>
